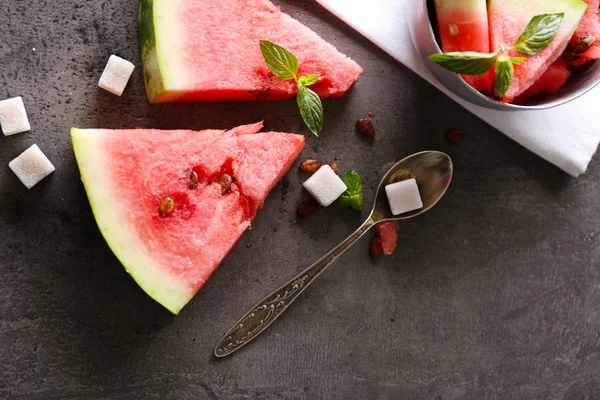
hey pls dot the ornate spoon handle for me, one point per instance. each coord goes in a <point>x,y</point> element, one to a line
<point>261,316</point>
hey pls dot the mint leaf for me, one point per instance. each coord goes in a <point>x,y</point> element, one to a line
<point>504,75</point>
<point>467,63</point>
<point>311,108</point>
<point>285,66</point>
<point>538,34</point>
<point>353,196</point>
<point>308,80</point>
<point>280,61</point>
<point>517,60</point>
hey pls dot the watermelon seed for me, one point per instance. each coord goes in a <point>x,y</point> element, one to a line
<point>167,206</point>
<point>193,180</point>
<point>583,43</point>
<point>225,181</point>
<point>569,56</point>
<point>310,166</point>
<point>366,126</point>
<point>453,29</point>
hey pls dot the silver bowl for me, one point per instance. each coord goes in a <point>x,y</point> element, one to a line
<point>420,22</point>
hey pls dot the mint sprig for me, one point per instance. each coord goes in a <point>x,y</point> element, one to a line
<point>538,34</point>
<point>284,65</point>
<point>466,63</point>
<point>311,108</point>
<point>536,37</point>
<point>353,196</point>
<point>280,61</point>
<point>504,74</point>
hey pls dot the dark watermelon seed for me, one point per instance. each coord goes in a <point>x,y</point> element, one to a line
<point>583,43</point>
<point>225,181</point>
<point>193,180</point>
<point>167,205</point>
<point>310,166</point>
<point>366,126</point>
<point>569,56</point>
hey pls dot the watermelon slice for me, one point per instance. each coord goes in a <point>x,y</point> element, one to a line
<point>129,175</point>
<point>463,26</point>
<point>508,19</point>
<point>589,25</point>
<point>195,51</point>
<point>550,82</point>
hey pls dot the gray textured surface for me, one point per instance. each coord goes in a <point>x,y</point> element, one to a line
<point>493,294</point>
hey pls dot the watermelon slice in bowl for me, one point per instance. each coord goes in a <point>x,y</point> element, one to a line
<point>172,204</point>
<point>209,51</point>
<point>463,26</point>
<point>509,18</point>
<point>423,26</point>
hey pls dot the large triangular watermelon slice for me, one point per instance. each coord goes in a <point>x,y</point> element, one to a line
<point>508,19</point>
<point>209,51</point>
<point>171,204</point>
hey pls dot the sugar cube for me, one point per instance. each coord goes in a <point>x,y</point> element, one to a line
<point>116,75</point>
<point>325,186</point>
<point>13,117</point>
<point>31,166</point>
<point>404,196</point>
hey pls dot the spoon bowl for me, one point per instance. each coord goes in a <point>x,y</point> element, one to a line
<point>433,173</point>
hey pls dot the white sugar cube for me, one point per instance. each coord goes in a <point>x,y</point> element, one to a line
<point>325,186</point>
<point>116,75</point>
<point>404,196</point>
<point>13,117</point>
<point>31,166</point>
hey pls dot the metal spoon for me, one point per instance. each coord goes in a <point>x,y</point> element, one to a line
<point>433,172</point>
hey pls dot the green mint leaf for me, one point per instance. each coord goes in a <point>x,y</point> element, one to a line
<point>539,33</point>
<point>353,196</point>
<point>517,60</point>
<point>311,108</point>
<point>504,75</point>
<point>467,63</point>
<point>280,61</point>
<point>308,80</point>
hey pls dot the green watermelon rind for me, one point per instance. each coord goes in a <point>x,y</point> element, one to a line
<point>158,56</point>
<point>120,236</point>
<point>152,73</point>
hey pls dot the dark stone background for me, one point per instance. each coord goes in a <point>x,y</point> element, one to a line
<point>494,294</point>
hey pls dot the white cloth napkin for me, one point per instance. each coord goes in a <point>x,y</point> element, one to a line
<point>567,136</point>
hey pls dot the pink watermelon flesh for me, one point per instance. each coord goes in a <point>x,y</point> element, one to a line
<point>212,53</point>
<point>463,26</point>
<point>508,19</point>
<point>387,233</point>
<point>134,170</point>
<point>589,25</point>
<point>550,82</point>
